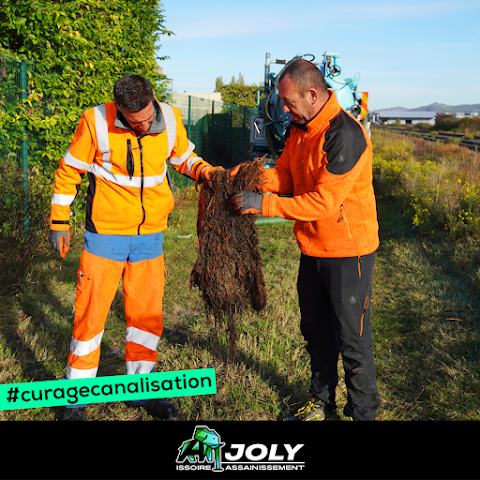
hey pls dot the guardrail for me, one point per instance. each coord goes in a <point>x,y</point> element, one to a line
<point>473,144</point>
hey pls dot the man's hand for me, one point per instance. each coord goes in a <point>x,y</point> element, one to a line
<point>236,169</point>
<point>60,241</point>
<point>247,202</point>
<point>206,173</point>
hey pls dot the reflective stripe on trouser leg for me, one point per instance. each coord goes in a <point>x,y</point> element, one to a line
<point>143,286</point>
<point>97,283</point>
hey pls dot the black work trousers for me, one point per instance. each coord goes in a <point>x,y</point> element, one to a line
<point>334,296</point>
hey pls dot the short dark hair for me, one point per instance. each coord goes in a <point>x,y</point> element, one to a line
<point>304,75</point>
<point>133,93</point>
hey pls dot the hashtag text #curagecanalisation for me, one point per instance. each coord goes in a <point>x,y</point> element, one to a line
<point>76,394</point>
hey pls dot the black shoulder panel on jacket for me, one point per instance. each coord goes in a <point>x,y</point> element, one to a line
<point>344,144</point>
<point>293,125</point>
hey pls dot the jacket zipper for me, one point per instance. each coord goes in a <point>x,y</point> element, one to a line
<point>304,137</point>
<point>365,306</point>
<point>141,184</point>
<point>130,160</point>
<point>343,215</point>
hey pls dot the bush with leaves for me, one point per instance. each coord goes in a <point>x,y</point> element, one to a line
<point>79,49</point>
<point>450,123</point>
<point>24,217</point>
<point>438,185</point>
<point>241,95</point>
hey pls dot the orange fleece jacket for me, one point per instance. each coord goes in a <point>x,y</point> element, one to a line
<point>327,166</point>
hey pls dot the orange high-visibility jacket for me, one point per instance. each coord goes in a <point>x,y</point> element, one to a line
<point>128,192</point>
<point>327,165</point>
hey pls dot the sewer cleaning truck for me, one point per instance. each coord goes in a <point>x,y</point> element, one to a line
<point>268,127</point>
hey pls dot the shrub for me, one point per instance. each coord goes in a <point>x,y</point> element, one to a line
<point>388,167</point>
<point>422,126</point>
<point>76,50</point>
<point>446,122</point>
<point>438,184</point>
<point>470,124</point>
<point>24,219</point>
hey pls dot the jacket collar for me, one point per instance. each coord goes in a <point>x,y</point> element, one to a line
<point>158,124</point>
<point>328,111</point>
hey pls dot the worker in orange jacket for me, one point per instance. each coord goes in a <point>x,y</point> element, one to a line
<point>326,165</point>
<point>123,147</point>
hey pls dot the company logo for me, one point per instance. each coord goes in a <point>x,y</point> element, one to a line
<point>203,451</point>
<point>206,451</point>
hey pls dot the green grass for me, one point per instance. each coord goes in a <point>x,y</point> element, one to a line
<point>425,313</point>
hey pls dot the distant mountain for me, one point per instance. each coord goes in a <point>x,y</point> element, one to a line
<point>439,108</point>
<point>442,108</point>
<point>396,109</point>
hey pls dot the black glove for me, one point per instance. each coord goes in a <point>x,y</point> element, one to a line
<point>60,241</point>
<point>247,202</point>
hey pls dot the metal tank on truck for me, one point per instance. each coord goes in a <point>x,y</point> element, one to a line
<point>268,127</point>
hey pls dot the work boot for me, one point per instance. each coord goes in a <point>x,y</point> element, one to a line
<point>160,409</point>
<point>313,410</point>
<point>156,408</point>
<point>73,414</point>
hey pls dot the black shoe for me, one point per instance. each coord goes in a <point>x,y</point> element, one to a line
<point>160,409</point>
<point>73,414</point>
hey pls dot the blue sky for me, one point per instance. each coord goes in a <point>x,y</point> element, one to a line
<point>409,53</point>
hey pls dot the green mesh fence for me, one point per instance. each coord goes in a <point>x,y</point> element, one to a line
<point>220,131</point>
<point>16,142</point>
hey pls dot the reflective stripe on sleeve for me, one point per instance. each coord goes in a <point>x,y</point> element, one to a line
<point>71,161</point>
<point>180,160</point>
<point>63,200</point>
<point>185,157</point>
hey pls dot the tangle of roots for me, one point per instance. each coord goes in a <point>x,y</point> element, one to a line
<point>228,270</point>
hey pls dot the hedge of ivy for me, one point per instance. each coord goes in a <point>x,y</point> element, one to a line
<point>77,49</point>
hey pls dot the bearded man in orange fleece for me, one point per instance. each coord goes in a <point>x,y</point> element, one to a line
<point>326,165</point>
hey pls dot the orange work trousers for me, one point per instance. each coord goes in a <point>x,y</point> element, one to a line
<point>97,282</point>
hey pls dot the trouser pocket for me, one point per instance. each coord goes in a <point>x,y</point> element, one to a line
<point>350,309</point>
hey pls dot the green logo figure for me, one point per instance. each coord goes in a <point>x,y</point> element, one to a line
<point>205,445</point>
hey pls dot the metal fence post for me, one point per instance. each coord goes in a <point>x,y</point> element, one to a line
<point>23,89</point>
<point>189,115</point>
<point>189,125</point>
<point>211,145</point>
